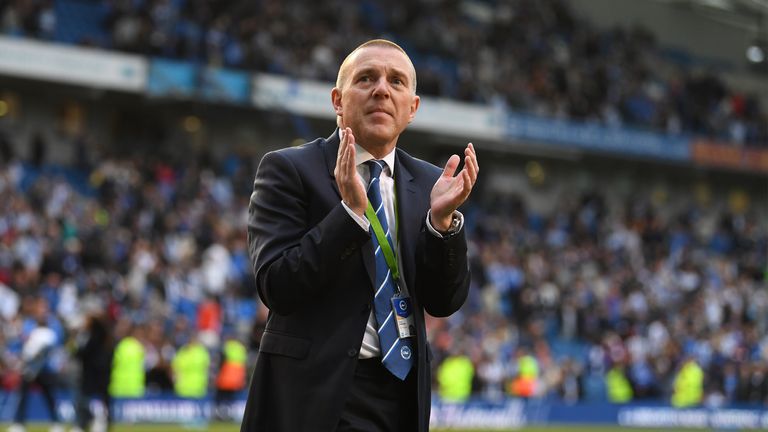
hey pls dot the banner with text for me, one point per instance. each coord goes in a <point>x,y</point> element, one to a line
<point>72,65</point>
<point>504,415</point>
<point>597,137</point>
<point>725,155</point>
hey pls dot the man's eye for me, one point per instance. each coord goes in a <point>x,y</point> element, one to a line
<point>397,81</point>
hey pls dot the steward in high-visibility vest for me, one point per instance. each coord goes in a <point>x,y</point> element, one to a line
<point>233,367</point>
<point>618,387</point>
<point>231,378</point>
<point>454,377</point>
<point>127,377</point>
<point>190,370</point>
<point>688,387</point>
<point>524,384</point>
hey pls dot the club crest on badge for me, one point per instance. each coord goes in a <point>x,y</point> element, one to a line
<point>405,352</point>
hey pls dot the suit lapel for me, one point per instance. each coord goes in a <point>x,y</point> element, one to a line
<point>408,224</point>
<point>331,151</point>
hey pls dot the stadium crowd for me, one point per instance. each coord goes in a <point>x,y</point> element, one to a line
<point>585,303</point>
<point>536,57</point>
<point>641,293</point>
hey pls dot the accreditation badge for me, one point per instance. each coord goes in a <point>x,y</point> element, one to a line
<point>403,316</point>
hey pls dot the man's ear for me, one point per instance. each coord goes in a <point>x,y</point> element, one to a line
<point>336,101</point>
<point>414,108</point>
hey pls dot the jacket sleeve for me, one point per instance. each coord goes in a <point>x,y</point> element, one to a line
<point>294,262</point>
<point>442,277</point>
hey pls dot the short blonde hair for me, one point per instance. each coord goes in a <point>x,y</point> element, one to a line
<point>342,76</point>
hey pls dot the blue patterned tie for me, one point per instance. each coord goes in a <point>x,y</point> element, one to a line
<point>397,354</point>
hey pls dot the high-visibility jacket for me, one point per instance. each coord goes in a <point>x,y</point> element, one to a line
<point>127,378</point>
<point>688,386</point>
<point>524,385</point>
<point>232,374</point>
<point>455,378</point>
<point>618,386</point>
<point>190,370</point>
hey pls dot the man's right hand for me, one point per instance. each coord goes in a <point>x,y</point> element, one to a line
<point>349,182</point>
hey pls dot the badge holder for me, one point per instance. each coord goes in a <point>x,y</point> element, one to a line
<point>401,305</point>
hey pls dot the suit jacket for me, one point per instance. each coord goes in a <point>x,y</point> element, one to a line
<point>315,271</point>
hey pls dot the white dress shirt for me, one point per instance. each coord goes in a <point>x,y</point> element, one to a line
<point>370,345</point>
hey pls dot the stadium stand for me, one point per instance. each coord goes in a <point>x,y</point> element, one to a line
<point>584,283</point>
<point>534,57</point>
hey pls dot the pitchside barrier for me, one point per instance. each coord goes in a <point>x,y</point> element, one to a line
<point>503,415</point>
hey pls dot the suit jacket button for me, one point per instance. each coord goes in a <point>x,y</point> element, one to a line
<point>352,352</point>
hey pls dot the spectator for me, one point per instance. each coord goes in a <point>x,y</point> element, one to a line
<point>94,353</point>
<point>37,369</point>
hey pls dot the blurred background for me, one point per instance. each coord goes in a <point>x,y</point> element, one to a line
<point>618,234</point>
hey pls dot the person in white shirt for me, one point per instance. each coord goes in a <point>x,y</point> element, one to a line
<point>35,356</point>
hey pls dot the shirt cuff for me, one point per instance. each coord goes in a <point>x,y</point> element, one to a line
<point>363,222</point>
<point>455,227</point>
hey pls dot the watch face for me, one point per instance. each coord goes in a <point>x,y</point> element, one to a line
<point>454,223</point>
<point>453,227</point>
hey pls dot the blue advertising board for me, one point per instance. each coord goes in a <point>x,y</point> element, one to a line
<point>224,85</point>
<point>506,414</point>
<point>597,137</point>
<point>171,78</point>
<point>184,80</point>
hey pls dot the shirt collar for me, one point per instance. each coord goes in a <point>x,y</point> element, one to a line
<point>362,155</point>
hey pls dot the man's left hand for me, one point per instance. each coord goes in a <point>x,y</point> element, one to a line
<point>451,191</point>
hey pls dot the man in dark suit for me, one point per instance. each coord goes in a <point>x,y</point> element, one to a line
<point>352,240</point>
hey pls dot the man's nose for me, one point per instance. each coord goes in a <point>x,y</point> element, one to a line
<point>381,88</point>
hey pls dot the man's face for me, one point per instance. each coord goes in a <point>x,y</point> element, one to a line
<point>376,99</point>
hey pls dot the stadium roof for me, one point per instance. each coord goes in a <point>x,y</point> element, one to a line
<point>748,15</point>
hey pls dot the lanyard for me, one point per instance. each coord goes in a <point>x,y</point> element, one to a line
<point>381,236</point>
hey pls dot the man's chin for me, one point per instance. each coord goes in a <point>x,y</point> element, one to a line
<point>379,133</point>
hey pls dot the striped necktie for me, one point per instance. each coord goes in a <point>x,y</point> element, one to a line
<point>397,354</point>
